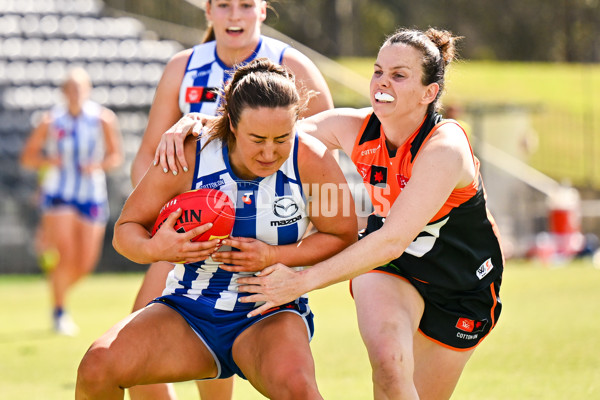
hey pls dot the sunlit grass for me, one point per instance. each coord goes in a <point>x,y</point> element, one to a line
<point>544,346</point>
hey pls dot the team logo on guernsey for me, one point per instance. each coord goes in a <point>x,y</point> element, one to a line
<point>470,325</point>
<point>363,169</point>
<point>402,181</point>
<point>200,94</point>
<point>484,268</point>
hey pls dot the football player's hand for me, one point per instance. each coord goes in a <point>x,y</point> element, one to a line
<point>177,247</point>
<point>253,255</point>
<point>275,285</point>
<point>170,149</point>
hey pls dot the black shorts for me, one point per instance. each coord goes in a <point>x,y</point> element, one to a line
<point>458,320</point>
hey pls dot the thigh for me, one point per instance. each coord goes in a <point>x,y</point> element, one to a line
<point>437,368</point>
<point>90,239</point>
<point>155,345</point>
<point>389,310</point>
<point>273,350</point>
<point>59,228</point>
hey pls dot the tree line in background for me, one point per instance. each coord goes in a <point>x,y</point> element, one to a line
<point>508,30</point>
<point>531,30</point>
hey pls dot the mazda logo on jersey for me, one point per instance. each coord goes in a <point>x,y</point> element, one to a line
<point>285,207</point>
<point>200,94</point>
<point>378,176</point>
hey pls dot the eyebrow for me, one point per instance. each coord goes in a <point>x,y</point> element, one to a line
<point>264,137</point>
<point>394,67</point>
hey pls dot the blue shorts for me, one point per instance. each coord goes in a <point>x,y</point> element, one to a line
<point>94,212</point>
<point>218,329</point>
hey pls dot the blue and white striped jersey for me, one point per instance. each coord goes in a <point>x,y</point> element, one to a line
<point>271,209</point>
<point>77,141</point>
<point>206,74</point>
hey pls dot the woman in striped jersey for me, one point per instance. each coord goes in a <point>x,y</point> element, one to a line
<point>72,147</point>
<point>190,83</point>
<point>199,328</point>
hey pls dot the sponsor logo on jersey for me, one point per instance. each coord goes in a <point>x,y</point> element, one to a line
<point>484,268</point>
<point>246,198</point>
<point>378,176</point>
<point>369,151</point>
<point>470,326</point>
<point>200,94</point>
<point>285,207</point>
<point>212,185</point>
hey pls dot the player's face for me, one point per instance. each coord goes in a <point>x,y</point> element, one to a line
<point>396,86</point>
<point>236,23</point>
<point>76,92</point>
<point>264,138</point>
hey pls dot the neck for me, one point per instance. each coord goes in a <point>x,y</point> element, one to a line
<point>75,109</point>
<point>233,56</point>
<point>398,130</point>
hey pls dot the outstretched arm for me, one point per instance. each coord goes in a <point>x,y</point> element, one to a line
<point>424,195</point>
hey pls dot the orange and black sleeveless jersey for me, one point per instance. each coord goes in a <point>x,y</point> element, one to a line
<point>459,248</point>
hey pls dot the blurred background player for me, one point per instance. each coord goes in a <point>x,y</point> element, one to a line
<point>72,147</point>
<point>189,84</point>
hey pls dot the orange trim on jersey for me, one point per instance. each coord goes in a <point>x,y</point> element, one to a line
<point>495,298</point>
<point>373,163</point>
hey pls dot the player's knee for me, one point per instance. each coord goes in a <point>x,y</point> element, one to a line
<point>294,383</point>
<point>392,368</point>
<point>95,370</point>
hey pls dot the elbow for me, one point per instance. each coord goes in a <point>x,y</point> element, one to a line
<point>390,246</point>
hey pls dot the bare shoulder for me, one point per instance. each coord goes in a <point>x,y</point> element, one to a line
<point>315,162</point>
<point>450,136</point>
<point>108,116</point>
<point>336,128</point>
<point>296,60</point>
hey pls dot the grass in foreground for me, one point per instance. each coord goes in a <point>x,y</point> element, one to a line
<point>544,346</point>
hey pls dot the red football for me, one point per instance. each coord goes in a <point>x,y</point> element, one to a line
<point>200,207</point>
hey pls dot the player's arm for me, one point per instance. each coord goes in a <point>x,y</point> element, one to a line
<point>163,113</point>
<point>308,75</point>
<point>113,140</point>
<point>336,128</point>
<point>32,156</point>
<point>132,236</point>
<point>423,196</point>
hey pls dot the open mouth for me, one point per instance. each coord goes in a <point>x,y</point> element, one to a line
<point>383,97</point>
<point>235,30</point>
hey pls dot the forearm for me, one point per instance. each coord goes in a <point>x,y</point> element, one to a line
<point>312,249</point>
<point>131,241</point>
<point>112,161</point>
<point>361,257</point>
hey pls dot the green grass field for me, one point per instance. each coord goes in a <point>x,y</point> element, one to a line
<point>544,347</point>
